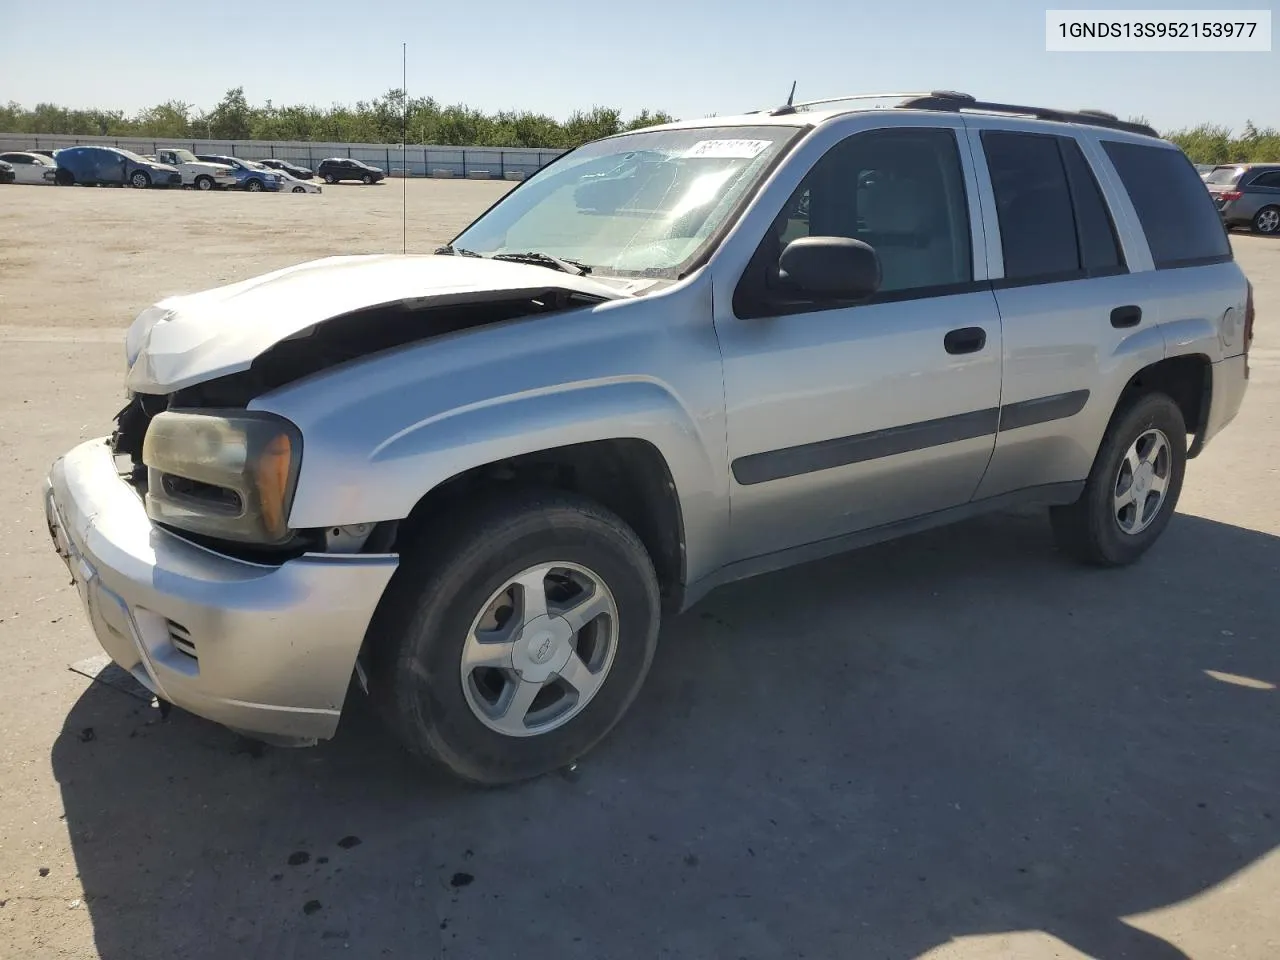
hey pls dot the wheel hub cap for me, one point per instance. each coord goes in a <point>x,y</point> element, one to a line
<point>1142,481</point>
<point>540,649</point>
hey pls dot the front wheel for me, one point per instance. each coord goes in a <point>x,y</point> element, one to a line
<point>366,179</point>
<point>1132,489</point>
<point>254,186</point>
<point>1267,220</point>
<point>204,183</point>
<point>139,180</point>
<point>299,189</point>
<point>511,643</point>
<point>64,178</point>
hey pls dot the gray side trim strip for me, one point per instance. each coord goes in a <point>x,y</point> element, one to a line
<point>825,454</point>
<point>1026,413</point>
<point>842,451</point>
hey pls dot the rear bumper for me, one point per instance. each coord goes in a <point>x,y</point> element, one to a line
<point>266,650</point>
<point>1230,379</point>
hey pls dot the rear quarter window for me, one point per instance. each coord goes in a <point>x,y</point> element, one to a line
<point>1178,216</point>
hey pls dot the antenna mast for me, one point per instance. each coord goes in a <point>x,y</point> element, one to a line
<point>791,97</point>
<point>404,151</point>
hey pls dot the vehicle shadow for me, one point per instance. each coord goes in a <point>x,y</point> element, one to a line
<point>956,734</point>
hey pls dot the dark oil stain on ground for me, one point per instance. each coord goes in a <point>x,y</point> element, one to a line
<point>298,858</point>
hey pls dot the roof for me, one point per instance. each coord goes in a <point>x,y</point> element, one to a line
<point>816,112</point>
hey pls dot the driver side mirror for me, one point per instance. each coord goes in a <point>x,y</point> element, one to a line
<point>830,268</point>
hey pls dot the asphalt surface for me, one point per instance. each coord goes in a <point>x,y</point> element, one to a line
<point>958,745</point>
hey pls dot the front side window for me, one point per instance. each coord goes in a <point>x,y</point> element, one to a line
<point>901,191</point>
<point>641,204</point>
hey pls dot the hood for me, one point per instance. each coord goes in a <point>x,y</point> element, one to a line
<point>185,340</point>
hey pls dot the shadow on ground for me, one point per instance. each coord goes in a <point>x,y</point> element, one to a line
<point>955,734</point>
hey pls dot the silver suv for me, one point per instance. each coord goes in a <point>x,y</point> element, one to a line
<point>673,358</point>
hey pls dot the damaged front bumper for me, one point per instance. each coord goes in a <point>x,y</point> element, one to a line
<point>265,650</point>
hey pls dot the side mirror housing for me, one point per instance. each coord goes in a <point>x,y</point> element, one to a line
<point>830,268</point>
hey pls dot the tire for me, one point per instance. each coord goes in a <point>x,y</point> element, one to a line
<point>139,180</point>
<point>299,190</point>
<point>366,179</point>
<point>329,179</point>
<point>204,183</point>
<point>64,178</point>
<point>1267,221</point>
<point>439,597</point>
<point>1091,530</point>
<point>253,185</point>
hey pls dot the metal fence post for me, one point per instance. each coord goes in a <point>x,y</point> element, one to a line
<point>464,163</point>
<point>502,164</point>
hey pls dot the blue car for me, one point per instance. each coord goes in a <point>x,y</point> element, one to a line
<point>250,175</point>
<point>98,166</point>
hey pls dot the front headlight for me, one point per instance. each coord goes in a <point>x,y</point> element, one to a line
<point>228,474</point>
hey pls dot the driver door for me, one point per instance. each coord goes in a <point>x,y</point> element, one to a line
<point>843,418</point>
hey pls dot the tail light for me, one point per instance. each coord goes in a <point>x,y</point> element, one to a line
<point>1248,327</point>
<point>1230,195</point>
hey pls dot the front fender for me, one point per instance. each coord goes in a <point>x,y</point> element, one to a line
<point>381,433</point>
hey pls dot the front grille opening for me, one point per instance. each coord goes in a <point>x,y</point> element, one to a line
<point>225,501</point>
<point>180,637</point>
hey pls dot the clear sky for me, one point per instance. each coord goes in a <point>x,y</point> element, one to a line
<point>686,57</point>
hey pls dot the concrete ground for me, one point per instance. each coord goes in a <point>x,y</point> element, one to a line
<point>958,745</point>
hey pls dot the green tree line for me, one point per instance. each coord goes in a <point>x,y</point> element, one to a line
<point>376,121</point>
<point>427,121</point>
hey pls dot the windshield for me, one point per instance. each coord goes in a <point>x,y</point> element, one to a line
<point>184,156</point>
<point>643,204</point>
<point>1224,175</point>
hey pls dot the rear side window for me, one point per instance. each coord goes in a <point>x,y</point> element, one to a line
<point>1266,180</point>
<point>1176,212</point>
<point>1054,224</point>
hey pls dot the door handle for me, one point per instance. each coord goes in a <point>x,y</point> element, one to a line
<point>1129,316</point>
<point>965,340</point>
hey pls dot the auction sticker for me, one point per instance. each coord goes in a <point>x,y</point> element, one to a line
<point>729,149</point>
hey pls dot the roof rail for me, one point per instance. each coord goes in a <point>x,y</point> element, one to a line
<point>796,107</point>
<point>956,102</point>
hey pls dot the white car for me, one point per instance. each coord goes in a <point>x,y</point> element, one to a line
<point>31,167</point>
<point>197,173</point>
<point>291,184</point>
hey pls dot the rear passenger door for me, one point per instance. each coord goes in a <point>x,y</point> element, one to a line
<point>1074,315</point>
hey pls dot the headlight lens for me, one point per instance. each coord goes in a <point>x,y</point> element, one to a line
<point>228,474</point>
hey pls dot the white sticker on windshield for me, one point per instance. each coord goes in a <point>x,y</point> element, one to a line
<point>729,149</point>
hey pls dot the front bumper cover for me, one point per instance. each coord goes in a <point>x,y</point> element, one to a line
<point>266,650</point>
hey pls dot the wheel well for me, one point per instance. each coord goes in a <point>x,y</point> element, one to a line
<point>628,476</point>
<point>1187,379</point>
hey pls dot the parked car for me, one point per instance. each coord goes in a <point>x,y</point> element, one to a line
<point>250,175</point>
<point>31,167</point>
<point>302,173</point>
<point>195,172</point>
<point>7,173</point>
<point>1247,195</point>
<point>292,184</point>
<point>606,396</point>
<point>97,166</point>
<point>337,169</point>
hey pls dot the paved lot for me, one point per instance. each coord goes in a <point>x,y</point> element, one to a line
<point>957,745</point>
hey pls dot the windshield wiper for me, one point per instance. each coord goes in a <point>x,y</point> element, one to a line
<point>450,250</point>
<point>545,260</point>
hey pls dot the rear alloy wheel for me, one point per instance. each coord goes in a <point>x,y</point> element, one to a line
<point>328,178</point>
<point>139,180</point>
<point>1267,220</point>
<point>512,642</point>
<point>1133,488</point>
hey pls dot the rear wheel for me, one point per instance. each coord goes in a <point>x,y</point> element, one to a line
<point>512,642</point>
<point>139,180</point>
<point>1267,220</point>
<point>1133,489</point>
<point>64,178</point>
<point>329,178</point>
